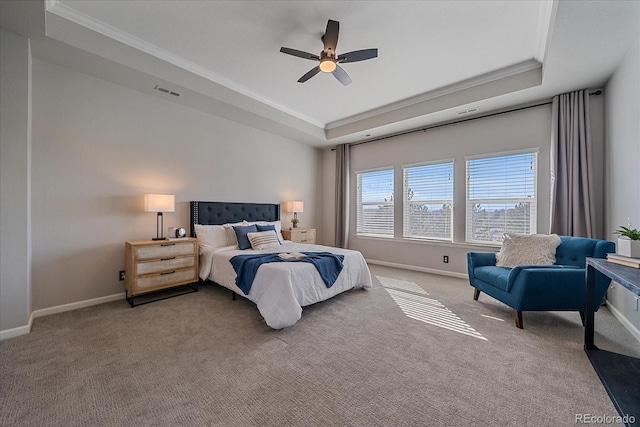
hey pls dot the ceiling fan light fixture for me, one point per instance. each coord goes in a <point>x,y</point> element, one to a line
<point>328,61</point>
<point>327,65</point>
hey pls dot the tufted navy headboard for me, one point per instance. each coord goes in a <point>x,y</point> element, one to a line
<point>216,213</point>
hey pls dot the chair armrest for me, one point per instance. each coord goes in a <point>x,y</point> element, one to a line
<point>603,247</point>
<point>479,259</point>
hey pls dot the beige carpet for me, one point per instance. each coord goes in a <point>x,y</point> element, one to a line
<point>204,360</point>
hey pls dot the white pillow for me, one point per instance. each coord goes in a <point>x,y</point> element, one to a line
<point>277,225</point>
<point>533,249</point>
<point>263,240</point>
<point>210,236</point>
<point>231,233</point>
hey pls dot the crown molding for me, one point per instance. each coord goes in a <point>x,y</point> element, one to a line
<point>502,73</point>
<point>546,22</point>
<point>72,15</point>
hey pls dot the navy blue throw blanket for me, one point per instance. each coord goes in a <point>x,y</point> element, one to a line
<point>246,266</point>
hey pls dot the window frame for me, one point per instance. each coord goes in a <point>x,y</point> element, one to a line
<point>533,200</point>
<point>406,203</point>
<point>360,204</point>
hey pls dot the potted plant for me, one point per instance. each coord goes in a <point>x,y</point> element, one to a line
<point>629,241</point>
<point>294,221</point>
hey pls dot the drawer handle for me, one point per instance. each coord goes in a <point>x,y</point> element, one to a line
<point>167,259</point>
<point>303,232</point>
<point>167,244</point>
<point>167,272</point>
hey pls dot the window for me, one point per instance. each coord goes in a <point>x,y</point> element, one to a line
<point>501,196</point>
<point>375,203</point>
<point>428,201</point>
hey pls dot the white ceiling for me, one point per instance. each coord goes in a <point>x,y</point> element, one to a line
<point>436,58</point>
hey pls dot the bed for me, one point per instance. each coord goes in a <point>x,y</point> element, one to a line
<point>279,289</point>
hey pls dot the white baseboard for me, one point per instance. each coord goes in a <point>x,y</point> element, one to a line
<point>625,322</point>
<point>77,305</point>
<point>421,269</point>
<point>21,330</point>
<point>15,332</point>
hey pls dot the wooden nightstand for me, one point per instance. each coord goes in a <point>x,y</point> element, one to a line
<point>154,265</point>
<point>300,235</point>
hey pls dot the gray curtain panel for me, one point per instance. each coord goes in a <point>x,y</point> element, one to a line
<point>572,205</point>
<point>342,196</point>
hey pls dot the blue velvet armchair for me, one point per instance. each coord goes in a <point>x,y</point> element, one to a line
<point>558,287</point>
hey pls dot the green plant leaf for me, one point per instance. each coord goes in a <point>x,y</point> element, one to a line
<point>633,234</point>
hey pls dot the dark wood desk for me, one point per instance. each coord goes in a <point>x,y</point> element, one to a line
<point>619,374</point>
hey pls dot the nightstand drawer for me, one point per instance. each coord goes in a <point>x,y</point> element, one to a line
<point>172,278</point>
<point>155,265</point>
<point>164,264</point>
<point>300,235</point>
<point>164,250</point>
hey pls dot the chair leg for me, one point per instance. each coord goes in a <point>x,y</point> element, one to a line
<point>518,316</point>
<point>476,294</point>
<point>582,317</point>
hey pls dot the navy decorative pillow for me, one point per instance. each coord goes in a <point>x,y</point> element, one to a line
<point>267,228</point>
<point>241,235</point>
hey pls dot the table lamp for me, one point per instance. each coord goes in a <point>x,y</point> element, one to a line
<point>295,207</point>
<point>159,203</point>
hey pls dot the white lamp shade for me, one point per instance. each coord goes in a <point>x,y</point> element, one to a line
<point>295,206</point>
<point>159,203</point>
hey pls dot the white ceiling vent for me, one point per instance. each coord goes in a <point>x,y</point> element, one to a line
<point>161,89</point>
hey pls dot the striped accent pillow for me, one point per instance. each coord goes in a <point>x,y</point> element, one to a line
<point>263,240</point>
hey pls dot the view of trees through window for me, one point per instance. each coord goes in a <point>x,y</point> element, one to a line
<point>501,196</point>
<point>428,201</point>
<point>374,214</point>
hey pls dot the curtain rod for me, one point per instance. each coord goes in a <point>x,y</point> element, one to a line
<point>424,129</point>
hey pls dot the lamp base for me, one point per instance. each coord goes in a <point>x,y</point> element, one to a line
<point>159,228</point>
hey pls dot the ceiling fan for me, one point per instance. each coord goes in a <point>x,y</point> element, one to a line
<point>328,59</point>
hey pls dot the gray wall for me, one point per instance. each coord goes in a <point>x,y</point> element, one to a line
<point>622,170</point>
<point>15,185</point>
<point>523,129</point>
<point>99,147</point>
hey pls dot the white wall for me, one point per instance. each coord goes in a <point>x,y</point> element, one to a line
<point>99,147</point>
<point>622,170</point>
<point>15,186</point>
<point>530,128</point>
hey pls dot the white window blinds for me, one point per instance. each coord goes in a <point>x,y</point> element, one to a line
<point>374,204</point>
<point>428,201</point>
<point>501,196</point>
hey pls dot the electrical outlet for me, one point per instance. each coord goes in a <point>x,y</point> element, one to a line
<point>121,275</point>
<point>445,259</point>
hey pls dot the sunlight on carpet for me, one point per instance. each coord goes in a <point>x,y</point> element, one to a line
<point>403,285</point>
<point>423,309</point>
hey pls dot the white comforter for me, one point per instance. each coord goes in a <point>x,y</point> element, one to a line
<point>281,289</point>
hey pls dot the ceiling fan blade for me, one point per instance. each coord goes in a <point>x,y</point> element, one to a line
<point>330,37</point>
<point>312,72</point>
<point>299,53</point>
<point>358,55</point>
<point>341,75</point>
